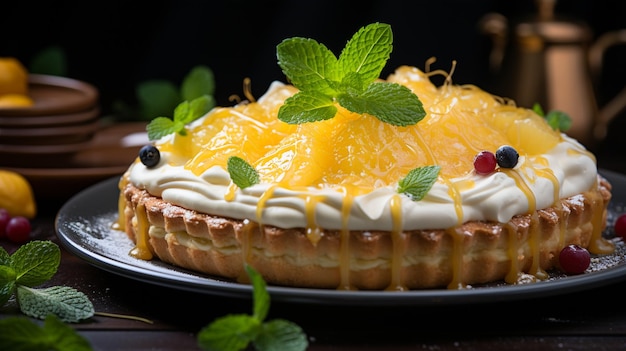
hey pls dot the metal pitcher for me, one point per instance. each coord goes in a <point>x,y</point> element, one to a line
<point>554,62</point>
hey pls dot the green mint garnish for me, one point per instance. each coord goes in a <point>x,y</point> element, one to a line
<point>350,80</point>
<point>33,264</point>
<point>241,172</point>
<point>418,182</point>
<point>159,97</point>
<point>198,82</point>
<point>558,120</point>
<point>20,333</point>
<point>184,113</point>
<point>236,331</point>
<point>69,304</point>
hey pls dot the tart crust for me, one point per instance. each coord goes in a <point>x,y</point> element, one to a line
<point>473,253</point>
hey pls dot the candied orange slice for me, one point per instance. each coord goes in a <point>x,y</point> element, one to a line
<point>302,157</point>
<point>248,130</point>
<point>358,150</point>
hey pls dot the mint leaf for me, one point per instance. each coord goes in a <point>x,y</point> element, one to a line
<point>157,97</point>
<point>184,113</point>
<point>35,262</point>
<point>198,82</point>
<point>307,107</point>
<point>197,108</point>
<point>63,336</point>
<point>308,64</point>
<point>51,61</point>
<point>160,127</point>
<point>538,109</point>
<point>418,182</point>
<point>390,102</point>
<point>4,257</point>
<point>241,172</point>
<point>280,334</point>
<point>368,51</point>
<point>231,332</point>
<point>350,80</point>
<point>261,298</point>
<point>66,303</point>
<point>19,333</point>
<point>235,332</point>
<point>557,120</point>
<point>160,97</point>
<point>7,283</point>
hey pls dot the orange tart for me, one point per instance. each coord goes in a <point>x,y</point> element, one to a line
<point>342,180</point>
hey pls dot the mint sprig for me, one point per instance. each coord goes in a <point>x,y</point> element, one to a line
<point>241,172</point>
<point>236,331</point>
<point>418,182</point>
<point>159,97</point>
<point>33,264</point>
<point>184,113</point>
<point>349,80</point>
<point>20,333</point>
<point>558,120</point>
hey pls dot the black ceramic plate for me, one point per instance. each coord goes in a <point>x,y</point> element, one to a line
<point>83,225</point>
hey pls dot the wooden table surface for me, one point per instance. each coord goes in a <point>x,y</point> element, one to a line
<point>593,319</point>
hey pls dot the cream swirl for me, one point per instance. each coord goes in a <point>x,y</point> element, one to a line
<point>495,197</point>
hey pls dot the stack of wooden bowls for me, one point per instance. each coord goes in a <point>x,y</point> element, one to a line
<point>62,121</point>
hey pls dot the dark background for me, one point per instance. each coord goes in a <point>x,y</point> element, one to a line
<point>117,44</point>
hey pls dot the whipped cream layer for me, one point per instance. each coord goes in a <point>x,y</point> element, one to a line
<point>566,170</point>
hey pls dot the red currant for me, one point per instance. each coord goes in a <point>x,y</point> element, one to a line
<point>5,216</point>
<point>485,162</point>
<point>620,226</point>
<point>574,259</point>
<point>18,229</point>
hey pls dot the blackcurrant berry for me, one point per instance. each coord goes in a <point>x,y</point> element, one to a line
<point>149,155</point>
<point>507,156</point>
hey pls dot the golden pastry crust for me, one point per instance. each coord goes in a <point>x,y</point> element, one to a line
<point>473,253</point>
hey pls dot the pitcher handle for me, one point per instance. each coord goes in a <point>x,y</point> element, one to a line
<point>596,57</point>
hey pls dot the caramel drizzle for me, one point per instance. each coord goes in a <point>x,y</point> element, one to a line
<point>142,249</point>
<point>344,254</point>
<point>515,270</point>
<point>457,258</point>
<point>229,195</point>
<point>598,244</point>
<point>533,230</point>
<point>247,231</point>
<point>398,244</point>
<point>313,230</point>
<point>120,223</point>
<point>556,204</point>
<point>519,182</point>
<point>262,201</point>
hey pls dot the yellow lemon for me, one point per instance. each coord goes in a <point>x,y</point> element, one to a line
<point>16,194</point>
<point>15,100</point>
<point>13,77</point>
